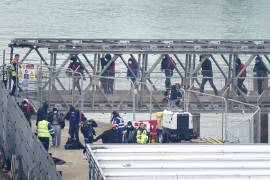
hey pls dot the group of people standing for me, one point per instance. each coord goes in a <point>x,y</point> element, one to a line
<point>121,133</point>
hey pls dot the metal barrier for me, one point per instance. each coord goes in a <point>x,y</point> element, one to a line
<point>233,129</point>
<point>16,138</point>
<point>95,172</point>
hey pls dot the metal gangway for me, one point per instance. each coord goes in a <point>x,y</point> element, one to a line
<point>51,57</point>
<point>19,146</point>
<point>148,53</point>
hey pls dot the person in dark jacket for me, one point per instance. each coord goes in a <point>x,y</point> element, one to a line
<point>261,72</point>
<point>129,133</point>
<point>42,112</point>
<point>74,117</point>
<point>58,123</point>
<point>176,95</point>
<point>240,81</point>
<point>88,130</point>
<point>207,73</point>
<point>109,136</point>
<point>28,110</point>
<point>109,73</point>
<point>119,122</point>
<point>168,66</point>
<point>133,70</point>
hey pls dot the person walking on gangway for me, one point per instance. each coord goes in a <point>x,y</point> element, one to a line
<point>261,72</point>
<point>240,80</point>
<point>207,73</point>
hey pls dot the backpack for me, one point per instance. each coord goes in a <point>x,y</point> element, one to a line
<point>171,64</point>
<point>26,109</point>
<point>240,67</point>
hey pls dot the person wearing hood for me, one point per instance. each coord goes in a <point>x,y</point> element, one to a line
<point>119,123</point>
<point>77,68</point>
<point>28,110</point>
<point>261,72</point>
<point>167,65</point>
<point>42,112</point>
<point>129,133</point>
<point>133,70</point>
<point>207,73</point>
<point>74,120</point>
<point>108,66</point>
<point>240,81</point>
<point>57,121</point>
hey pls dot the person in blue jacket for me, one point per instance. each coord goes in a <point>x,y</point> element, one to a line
<point>261,72</point>
<point>119,123</point>
<point>133,70</point>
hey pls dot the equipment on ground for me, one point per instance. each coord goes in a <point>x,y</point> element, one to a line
<point>176,126</point>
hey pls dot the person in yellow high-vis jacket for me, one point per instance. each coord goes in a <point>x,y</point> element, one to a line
<point>44,132</point>
<point>13,73</point>
<point>141,134</point>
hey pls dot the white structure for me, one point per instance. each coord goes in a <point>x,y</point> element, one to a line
<point>178,161</point>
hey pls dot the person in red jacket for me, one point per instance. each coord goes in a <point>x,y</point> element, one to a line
<point>28,110</point>
<point>240,81</point>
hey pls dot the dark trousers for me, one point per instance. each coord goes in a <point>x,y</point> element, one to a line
<point>76,83</point>
<point>240,85</point>
<point>210,79</point>
<point>260,85</point>
<point>29,121</point>
<point>5,83</point>
<point>74,131</point>
<point>14,79</point>
<point>168,75</point>
<point>111,81</point>
<point>45,142</point>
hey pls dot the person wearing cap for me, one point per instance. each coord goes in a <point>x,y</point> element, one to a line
<point>240,81</point>
<point>141,134</point>
<point>27,110</point>
<point>261,72</point>
<point>109,136</point>
<point>207,73</point>
<point>57,121</point>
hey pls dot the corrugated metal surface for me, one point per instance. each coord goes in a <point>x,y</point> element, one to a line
<point>16,138</point>
<point>180,161</point>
